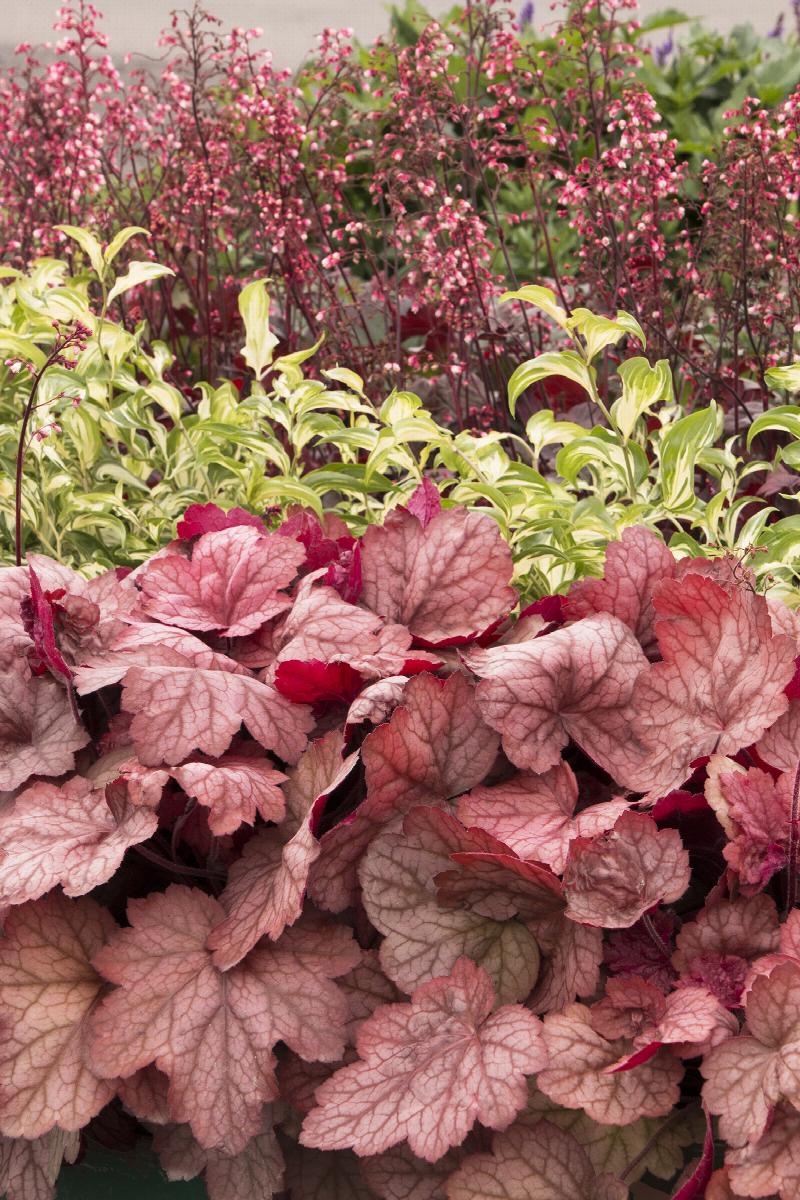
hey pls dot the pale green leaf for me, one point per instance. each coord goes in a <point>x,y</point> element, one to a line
<point>542,298</point>
<point>88,244</point>
<point>120,240</point>
<point>786,379</point>
<point>137,273</point>
<point>553,362</point>
<point>259,339</point>
<point>643,386</point>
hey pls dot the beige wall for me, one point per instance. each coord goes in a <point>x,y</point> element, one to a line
<point>290,25</point>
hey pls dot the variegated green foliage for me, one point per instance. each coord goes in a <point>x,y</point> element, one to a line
<point>129,453</point>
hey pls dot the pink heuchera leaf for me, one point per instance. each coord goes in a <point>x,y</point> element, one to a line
<point>38,731</point>
<point>634,951</point>
<point>747,1075</point>
<point>329,1175</point>
<point>147,645</point>
<point>448,579</point>
<point>146,1095</point>
<point>74,615</point>
<point>493,881</point>
<point>788,950</point>
<point>779,745</point>
<point>331,546</point>
<point>717,947</point>
<point>424,938</point>
<point>579,1075</point>
<point>755,811</point>
<point>37,616</point>
<point>179,709</point>
<point>719,1187</point>
<point>398,1174</point>
<point>345,575</point>
<point>14,587</point>
<point>313,682</point>
<point>232,582</point>
<point>691,1019</point>
<point>70,835</point>
<point>233,789</point>
<point>614,878</point>
<point>322,627</point>
<point>634,568</point>
<point>266,886</point>
<point>48,988</point>
<point>572,955</point>
<point>213,1033</point>
<point>528,1161</point>
<point>772,1165</point>
<point>433,748</point>
<point>429,1069</point>
<point>376,701</point>
<point>720,685</point>
<point>142,786</point>
<point>255,1173</point>
<point>535,814</point>
<point>29,1168</point>
<point>210,518</point>
<point>576,683</point>
<point>425,502</point>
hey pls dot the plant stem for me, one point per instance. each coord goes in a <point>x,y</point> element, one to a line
<point>21,447</point>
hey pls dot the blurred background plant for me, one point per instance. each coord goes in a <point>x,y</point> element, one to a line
<point>391,191</point>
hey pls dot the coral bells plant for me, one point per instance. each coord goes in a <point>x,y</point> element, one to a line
<point>332,871</point>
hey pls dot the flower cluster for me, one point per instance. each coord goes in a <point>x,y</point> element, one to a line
<point>332,869</point>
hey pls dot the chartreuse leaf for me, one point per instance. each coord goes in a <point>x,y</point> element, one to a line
<point>544,430</point>
<point>599,332</point>
<point>565,363</point>
<point>259,339</point>
<point>678,452</point>
<point>137,274</point>
<point>88,244</point>
<point>120,240</point>
<point>783,419</point>
<point>643,387</point>
<point>542,298</point>
<point>786,378</point>
<point>348,378</point>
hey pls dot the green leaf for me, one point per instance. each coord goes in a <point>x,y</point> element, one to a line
<point>678,452</point>
<point>15,345</point>
<point>642,387</point>
<point>167,397</point>
<point>288,364</point>
<point>137,273</point>
<point>599,332</point>
<point>88,244</point>
<point>398,406</point>
<point>347,377</point>
<point>785,379</point>
<point>542,298</point>
<point>784,419</point>
<point>259,339</point>
<point>553,362</point>
<point>121,239</point>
